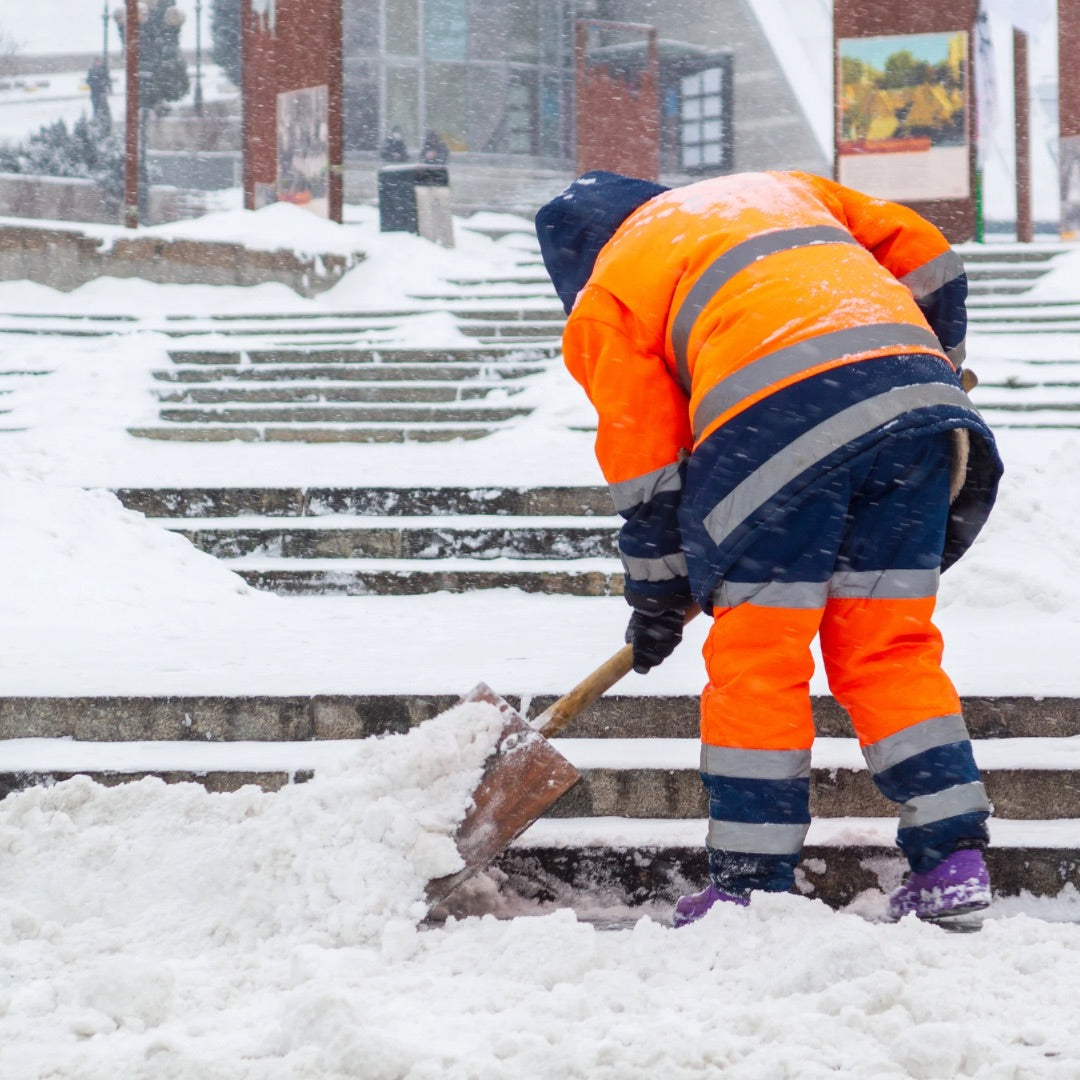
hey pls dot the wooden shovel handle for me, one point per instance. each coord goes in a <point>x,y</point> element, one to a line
<point>556,716</point>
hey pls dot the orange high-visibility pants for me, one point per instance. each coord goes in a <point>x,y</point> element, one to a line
<point>856,563</point>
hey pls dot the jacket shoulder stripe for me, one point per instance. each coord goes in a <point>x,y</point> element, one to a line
<point>723,269</point>
<point>932,275</point>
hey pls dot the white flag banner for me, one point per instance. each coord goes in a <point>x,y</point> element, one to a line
<point>1031,16</point>
<point>986,99</point>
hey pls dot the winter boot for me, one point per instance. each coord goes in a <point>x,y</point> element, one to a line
<point>958,885</point>
<point>690,908</point>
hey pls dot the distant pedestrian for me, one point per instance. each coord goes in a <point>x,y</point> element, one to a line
<point>100,83</point>
<point>394,149</point>
<point>434,151</point>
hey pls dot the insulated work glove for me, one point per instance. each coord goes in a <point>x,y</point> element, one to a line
<point>654,635</point>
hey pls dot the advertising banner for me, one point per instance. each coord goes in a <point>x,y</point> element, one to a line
<point>904,116</point>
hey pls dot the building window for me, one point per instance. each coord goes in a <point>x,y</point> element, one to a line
<point>521,113</point>
<point>403,104</point>
<point>704,120</point>
<point>446,30</point>
<point>402,27</point>
<point>524,29</point>
<point>445,94</point>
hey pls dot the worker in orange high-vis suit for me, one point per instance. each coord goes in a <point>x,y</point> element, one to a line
<point>776,365</point>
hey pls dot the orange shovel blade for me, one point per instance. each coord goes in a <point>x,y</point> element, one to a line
<point>523,776</point>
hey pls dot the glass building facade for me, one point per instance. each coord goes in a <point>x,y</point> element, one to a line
<point>489,77</point>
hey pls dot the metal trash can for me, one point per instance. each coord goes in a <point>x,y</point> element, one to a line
<point>416,199</point>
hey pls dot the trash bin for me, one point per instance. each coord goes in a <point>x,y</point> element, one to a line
<point>416,199</point>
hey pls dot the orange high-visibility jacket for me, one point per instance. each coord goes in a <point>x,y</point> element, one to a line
<point>742,319</point>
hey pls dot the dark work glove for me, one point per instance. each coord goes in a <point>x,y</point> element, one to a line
<point>654,635</point>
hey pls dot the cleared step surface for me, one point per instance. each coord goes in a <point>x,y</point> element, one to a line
<point>840,861</point>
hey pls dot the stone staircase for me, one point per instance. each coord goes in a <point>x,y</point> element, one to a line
<point>345,376</point>
<point>307,393</point>
<point>632,831</point>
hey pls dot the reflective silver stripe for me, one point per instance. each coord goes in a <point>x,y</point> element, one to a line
<point>723,269</point>
<point>820,441</point>
<point>782,364</point>
<point>662,568</point>
<point>756,839</point>
<point>755,764</point>
<point>805,595</point>
<point>959,799</point>
<point>884,584</point>
<point>641,489</point>
<point>931,276</point>
<point>938,731</point>
<point>957,355</point>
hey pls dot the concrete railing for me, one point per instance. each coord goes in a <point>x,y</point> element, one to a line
<point>67,258</point>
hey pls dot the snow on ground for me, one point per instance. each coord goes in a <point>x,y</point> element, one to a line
<point>153,931</point>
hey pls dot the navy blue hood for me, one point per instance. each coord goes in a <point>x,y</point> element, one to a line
<point>575,225</point>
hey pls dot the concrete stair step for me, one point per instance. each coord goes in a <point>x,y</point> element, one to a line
<point>212,719</point>
<point>1008,271</point>
<point>652,778</point>
<point>976,254</point>
<point>991,289</point>
<point>627,864</point>
<point>367,373</point>
<point>311,433</point>
<point>383,393</point>
<point>299,355</point>
<point>372,577</point>
<point>367,501</point>
<point>840,786</point>
<point>420,538</point>
<point>1042,317</point>
<point>397,413</point>
<point>539,330</point>
<point>1031,794</point>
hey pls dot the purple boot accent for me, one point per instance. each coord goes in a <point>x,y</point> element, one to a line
<point>959,884</point>
<point>690,908</point>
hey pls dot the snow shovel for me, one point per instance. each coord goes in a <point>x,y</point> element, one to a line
<point>525,774</point>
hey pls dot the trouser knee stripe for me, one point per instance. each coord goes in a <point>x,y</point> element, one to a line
<point>927,809</point>
<point>756,839</point>
<point>927,735</point>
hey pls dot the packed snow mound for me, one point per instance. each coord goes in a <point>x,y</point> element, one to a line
<point>330,861</point>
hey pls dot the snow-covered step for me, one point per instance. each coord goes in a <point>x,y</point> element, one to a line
<point>620,856</point>
<point>459,372</point>
<point>374,413</point>
<point>304,393</point>
<point>352,537</point>
<point>457,501</point>
<point>388,395</point>
<point>651,779</point>
<point>392,354</point>
<point>311,433</point>
<point>410,577</point>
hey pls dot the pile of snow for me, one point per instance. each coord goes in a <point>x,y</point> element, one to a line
<point>153,931</point>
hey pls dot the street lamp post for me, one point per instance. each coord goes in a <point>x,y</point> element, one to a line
<point>105,39</point>
<point>198,58</point>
